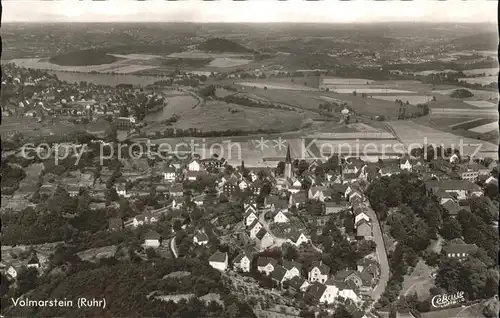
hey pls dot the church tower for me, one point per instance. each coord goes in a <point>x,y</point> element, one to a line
<point>288,164</point>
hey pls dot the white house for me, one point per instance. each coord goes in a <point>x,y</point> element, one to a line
<point>264,239</point>
<point>33,262</point>
<point>142,219</point>
<point>255,228</point>
<point>297,238</point>
<point>152,239</point>
<point>280,217</point>
<point>361,216</point>
<point>319,272</point>
<point>320,293</point>
<point>121,190</point>
<point>194,165</point>
<point>242,262</point>
<point>292,269</point>
<point>266,265</point>
<point>250,207</point>
<point>332,288</point>
<point>347,291</point>
<point>243,185</point>
<point>200,238</point>
<point>250,218</point>
<point>299,284</point>
<point>317,193</point>
<point>169,174</point>
<point>218,261</point>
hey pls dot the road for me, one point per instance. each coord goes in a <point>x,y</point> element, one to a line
<point>381,255</point>
<point>173,247</point>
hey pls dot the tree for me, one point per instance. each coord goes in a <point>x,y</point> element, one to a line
<point>27,280</point>
<point>451,229</point>
<point>280,168</point>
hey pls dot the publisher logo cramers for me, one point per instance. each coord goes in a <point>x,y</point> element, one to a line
<point>441,301</point>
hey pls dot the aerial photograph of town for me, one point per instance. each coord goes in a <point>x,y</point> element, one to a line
<point>249,159</point>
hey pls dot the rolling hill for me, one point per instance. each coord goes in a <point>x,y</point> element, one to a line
<point>220,45</point>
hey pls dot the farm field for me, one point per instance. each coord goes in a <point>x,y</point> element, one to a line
<point>471,124</point>
<point>43,64</point>
<point>361,90</point>
<point>204,55</point>
<point>480,103</point>
<point>132,56</point>
<point>413,133</point>
<point>222,116</point>
<point>461,121</point>
<point>133,68</point>
<point>345,81</point>
<point>492,126</point>
<point>481,94</point>
<point>413,100</point>
<point>177,105</point>
<point>485,71</point>
<point>277,86</point>
<point>223,62</point>
<point>485,80</point>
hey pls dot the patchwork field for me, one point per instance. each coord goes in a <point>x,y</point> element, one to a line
<point>223,62</point>
<point>492,126</point>
<point>180,105</point>
<point>222,116</point>
<point>480,103</point>
<point>485,80</point>
<point>485,71</point>
<point>277,86</point>
<point>361,90</point>
<point>345,81</point>
<point>472,124</point>
<point>413,100</point>
<point>481,94</point>
<point>412,133</point>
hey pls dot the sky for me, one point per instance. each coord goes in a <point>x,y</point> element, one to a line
<point>326,11</point>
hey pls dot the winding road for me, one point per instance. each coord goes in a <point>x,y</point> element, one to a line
<point>381,255</point>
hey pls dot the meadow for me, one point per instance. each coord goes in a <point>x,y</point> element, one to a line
<point>472,124</point>
<point>223,62</point>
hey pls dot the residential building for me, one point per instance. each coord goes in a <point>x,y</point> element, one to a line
<point>254,228</point>
<point>297,238</point>
<point>318,272</point>
<point>219,261</point>
<point>250,218</point>
<point>364,229</point>
<point>278,275</point>
<point>266,265</point>
<point>194,165</point>
<point>264,239</point>
<point>177,190</point>
<point>142,219</point>
<point>319,293</point>
<point>169,174</point>
<point>201,238</point>
<point>243,262</point>
<point>460,251</point>
<point>298,284</point>
<point>293,269</point>
<point>280,217</point>
<point>152,239</point>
